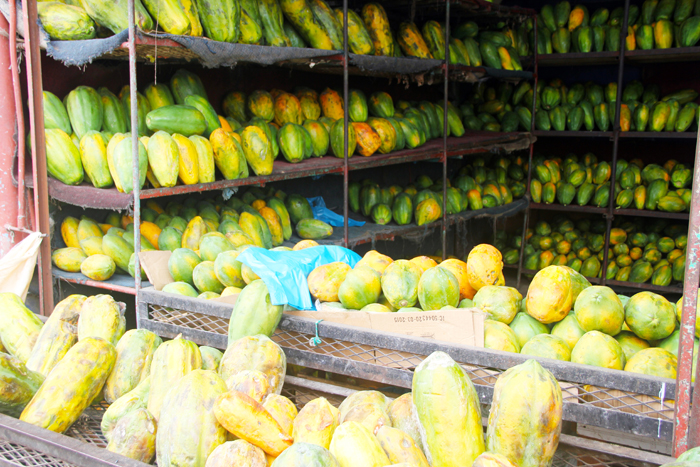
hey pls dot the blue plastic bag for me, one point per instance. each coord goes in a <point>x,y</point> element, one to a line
<point>285,272</point>
<point>322,213</point>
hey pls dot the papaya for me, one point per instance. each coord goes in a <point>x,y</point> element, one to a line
<point>20,384</point>
<point>439,382</point>
<point>71,386</point>
<point>133,363</point>
<point>325,280</point>
<point>253,313</point>
<point>514,429</point>
<point>237,452</point>
<point>196,394</point>
<point>400,283</point>
<point>255,353</point>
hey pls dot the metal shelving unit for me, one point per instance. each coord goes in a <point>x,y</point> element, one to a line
<point>687,426</point>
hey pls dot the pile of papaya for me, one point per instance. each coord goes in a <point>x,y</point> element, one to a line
<point>476,186</point>
<point>197,230</point>
<point>182,404</point>
<point>578,107</point>
<point>378,283</point>
<point>183,140</point>
<point>564,318</point>
<point>638,252</point>
<point>586,181</point>
<point>659,24</point>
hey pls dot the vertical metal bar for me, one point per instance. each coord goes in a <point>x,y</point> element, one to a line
<point>526,216</point>
<point>19,115</point>
<point>41,185</point>
<point>616,143</point>
<point>444,129</point>
<point>136,180</point>
<point>685,434</point>
<point>346,117</point>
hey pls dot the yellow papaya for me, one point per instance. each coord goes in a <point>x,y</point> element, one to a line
<point>282,410</point>
<point>316,423</point>
<point>252,383</point>
<point>69,232</point>
<point>258,150</point>
<point>163,158</point>
<point>353,445</point>
<point>325,280</point>
<point>247,419</point>
<point>193,233</point>
<point>228,154</point>
<point>274,224</point>
<point>375,260</point>
<point>188,162</point>
<point>21,327</point>
<point>57,336</point>
<point>523,397</point>
<point>101,316</point>
<point>205,158</point>
<point>71,386</point>
<point>400,448</point>
<point>238,452</point>
<point>88,228</point>
<point>255,353</point>
<point>68,259</point>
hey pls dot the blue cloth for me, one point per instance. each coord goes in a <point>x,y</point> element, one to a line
<point>285,272</point>
<point>322,213</point>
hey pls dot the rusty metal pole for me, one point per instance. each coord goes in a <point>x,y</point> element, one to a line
<point>19,116</point>
<point>135,152</point>
<point>687,424</point>
<point>8,201</point>
<point>36,118</point>
<point>526,216</point>
<point>444,129</point>
<point>346,117</point>
<point>616,144</point>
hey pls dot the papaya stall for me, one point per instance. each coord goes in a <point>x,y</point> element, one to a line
<point>353,233</point>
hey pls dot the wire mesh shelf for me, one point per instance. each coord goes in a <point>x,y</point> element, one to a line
<point>621,401</point>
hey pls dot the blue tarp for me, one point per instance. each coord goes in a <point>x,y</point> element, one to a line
<point>285,272</point>
<point>322,213</point>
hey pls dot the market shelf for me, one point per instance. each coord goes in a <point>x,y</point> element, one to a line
<point>692,135</point>
<point>573,134</point>
<point>645,286</point>
<point>474,142</point>
<point>617,400</point>
<point>568,208</point>
<point>675,54</point>
<point>683,216</point>
<point>371,232</point>
<point>574,59</point>
<point>117,283</point>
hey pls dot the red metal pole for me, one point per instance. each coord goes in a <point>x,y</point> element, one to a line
<point>686,430</point>
<point>36,117</point>
<point>8,193</point>
<point>19,115</point>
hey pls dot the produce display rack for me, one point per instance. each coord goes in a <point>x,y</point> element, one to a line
<point>24,445</point>
<point>635,57</point>
<point>616,400</point>
<point>630,405</point>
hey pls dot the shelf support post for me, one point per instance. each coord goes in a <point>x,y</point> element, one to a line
<point>446,88</point>
<point>135,152</point>
<point>346,123</point>
<point>687,419</point>
<point>36,117</point>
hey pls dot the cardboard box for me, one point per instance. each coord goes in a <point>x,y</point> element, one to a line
<point>463,326</point>
<point>155,264</point>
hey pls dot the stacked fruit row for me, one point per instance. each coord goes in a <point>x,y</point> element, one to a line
<point>587,182</point>
<point>475,187</point>
<point>565,318</point>
<point>580,107</point>
<point>658,24</point>
<point>184,140</point>
<point>180,404</point>
<point>285,23</point>
<point>380,284</point>
<point>640,252</point>
<point>591,106</point>
<point>205,228</point>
